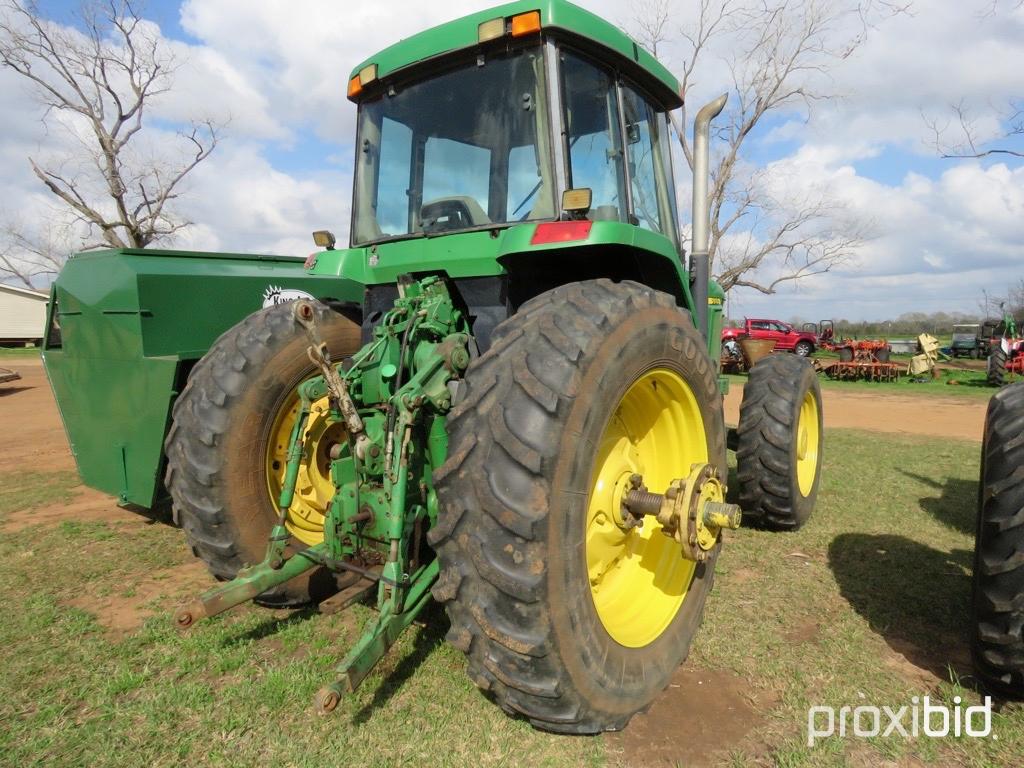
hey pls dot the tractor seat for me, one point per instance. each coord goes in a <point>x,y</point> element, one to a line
<point>604,213</point>
<point>450,213</point>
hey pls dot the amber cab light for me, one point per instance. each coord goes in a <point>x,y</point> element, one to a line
<point>526,24</point>
<point>561,232</point>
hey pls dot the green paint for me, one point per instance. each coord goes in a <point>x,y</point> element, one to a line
<point>131,321</point>
<point>557,17</point>
<point>376,641</point>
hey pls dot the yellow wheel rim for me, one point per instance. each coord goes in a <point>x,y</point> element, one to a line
<point>808,443</point>
<point>313,488</point>
<point>638,577</point>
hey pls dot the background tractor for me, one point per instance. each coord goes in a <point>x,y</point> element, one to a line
<point>521,416</point>
<point>1006,351</point>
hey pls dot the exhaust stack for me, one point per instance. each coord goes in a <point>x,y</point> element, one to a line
<point>699,258</point>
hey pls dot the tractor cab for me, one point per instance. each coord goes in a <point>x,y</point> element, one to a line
<point>486,123</point>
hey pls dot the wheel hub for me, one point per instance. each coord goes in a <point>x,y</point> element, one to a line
<point>692,511</point>
<point>808,441</point>
<point>314,487</point>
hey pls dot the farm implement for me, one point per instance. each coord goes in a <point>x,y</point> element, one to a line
<point>503,395</point>
<point>866,360</point>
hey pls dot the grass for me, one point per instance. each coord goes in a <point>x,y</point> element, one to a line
<point>950,383</point>
<point>15,353</point>
<point>867,604</point>
<point>25,490</point>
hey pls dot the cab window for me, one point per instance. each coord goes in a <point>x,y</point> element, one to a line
<point>592,135</point>
<point>646,147</point>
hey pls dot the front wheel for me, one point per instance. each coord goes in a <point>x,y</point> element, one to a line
<point>996,374</point>
<point>780,443</point>
<point>804,349</point>
<point>568,615</point>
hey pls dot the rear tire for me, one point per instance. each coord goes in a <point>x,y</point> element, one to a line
<point>997,595</point>
<point>883,355</point>
<point>516,496</point>
<point>997,367</point>
<point>780,443</point>
<point>804,349</point>
<point>218,441</point>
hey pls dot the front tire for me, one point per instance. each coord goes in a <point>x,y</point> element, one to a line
<point>997,594</point>
<point>804,349</point>
<point>997,367</point>
<point>780,443</point>
<point>588,383</point>
<point>225,443</point>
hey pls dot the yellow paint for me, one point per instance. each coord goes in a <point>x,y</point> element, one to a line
<point>313,488</point>
<point>638,577</point>
<point>808,446</point>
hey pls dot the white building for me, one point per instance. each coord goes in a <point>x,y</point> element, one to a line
<point>22,314</point>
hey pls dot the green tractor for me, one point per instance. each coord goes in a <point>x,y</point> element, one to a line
<point>523,418</point>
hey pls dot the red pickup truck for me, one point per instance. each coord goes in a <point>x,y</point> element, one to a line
<point>786,337</point>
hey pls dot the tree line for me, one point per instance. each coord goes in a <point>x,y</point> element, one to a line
<point>910,324</point>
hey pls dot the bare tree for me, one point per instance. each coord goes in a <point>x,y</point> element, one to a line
<point>29,256</point>
<point>96,81</point>
<point>959,136</point>
<point>781,55</point>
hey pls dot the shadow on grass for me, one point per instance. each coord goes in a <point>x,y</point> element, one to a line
<point>159,514</point>
<point>427,641</point>
<point>955,506</point>
<point>271,626</point>
<point>914,596</point>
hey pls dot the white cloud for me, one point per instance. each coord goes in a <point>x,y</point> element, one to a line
<point>241,203</point>
<point>278,70</point>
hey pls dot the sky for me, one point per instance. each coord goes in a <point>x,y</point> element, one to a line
<point>940,230</point>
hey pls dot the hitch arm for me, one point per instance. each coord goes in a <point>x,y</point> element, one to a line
<point>376,641</point>
<point>249,583</point>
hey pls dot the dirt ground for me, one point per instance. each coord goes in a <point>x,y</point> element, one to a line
<point>955,417</point>
<point>35,441</point>
<point>35,436</point>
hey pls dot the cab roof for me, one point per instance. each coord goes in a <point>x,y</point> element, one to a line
<point>561,17</point>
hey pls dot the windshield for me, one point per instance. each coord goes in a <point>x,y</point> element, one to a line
<point>466,149</point>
